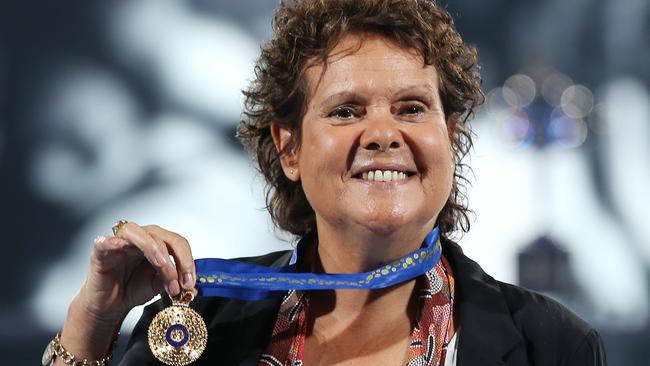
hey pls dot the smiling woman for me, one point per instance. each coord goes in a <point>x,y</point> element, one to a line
<point>374,108</point>
<point>304,47</point>
<point>359,121</point>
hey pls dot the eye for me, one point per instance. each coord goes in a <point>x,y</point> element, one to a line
<point>344,112</point>
<point>412,109</point>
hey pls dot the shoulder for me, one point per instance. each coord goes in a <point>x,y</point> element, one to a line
<point>538,314</point>
<point>549,327</point>
<point>532,309</point>
<point>498,319</point>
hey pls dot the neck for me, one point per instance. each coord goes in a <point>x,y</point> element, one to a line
<point>362,249</point>
<point>356,252</point>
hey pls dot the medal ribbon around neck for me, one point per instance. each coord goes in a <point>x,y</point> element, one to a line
<point>178,335</point>
<point>245,281</point>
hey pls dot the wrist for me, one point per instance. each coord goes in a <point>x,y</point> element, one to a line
<point>61,356</point>
<point>86,335</point>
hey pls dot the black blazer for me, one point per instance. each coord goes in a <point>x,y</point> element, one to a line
<point>501,324</point>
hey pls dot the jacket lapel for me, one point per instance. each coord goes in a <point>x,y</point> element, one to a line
<point>239,331</point>
<point>488,335</point>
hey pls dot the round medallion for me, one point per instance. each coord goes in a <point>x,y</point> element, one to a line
<point>177,335</point>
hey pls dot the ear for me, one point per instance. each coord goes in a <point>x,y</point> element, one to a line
<point>452,124</point>
<point>282,137</point>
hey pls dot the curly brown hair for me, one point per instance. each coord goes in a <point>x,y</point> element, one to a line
<point>305,32</point>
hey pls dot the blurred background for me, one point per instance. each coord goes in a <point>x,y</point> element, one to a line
<point>127,109</point>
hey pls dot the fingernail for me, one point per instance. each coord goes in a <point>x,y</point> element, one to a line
<point>188,280</point>
<point>113,240</point>
<point>100,239</point>
<point>174,288</point>
<point>160,259</point>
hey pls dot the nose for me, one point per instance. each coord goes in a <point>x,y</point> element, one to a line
<point>381,133</point>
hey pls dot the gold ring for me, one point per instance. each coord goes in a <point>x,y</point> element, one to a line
<point>118,225</point>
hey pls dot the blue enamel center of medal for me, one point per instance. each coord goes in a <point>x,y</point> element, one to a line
<point>175,343</point>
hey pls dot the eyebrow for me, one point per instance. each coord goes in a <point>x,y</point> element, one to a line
<point>401,92</point>
<point>413,88</point>
<point>414,91</point>
<point>347,95</point>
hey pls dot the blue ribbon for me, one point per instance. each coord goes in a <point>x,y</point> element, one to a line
<point>245,281</point>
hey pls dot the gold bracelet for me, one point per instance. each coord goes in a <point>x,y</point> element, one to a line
<point>55,349</point>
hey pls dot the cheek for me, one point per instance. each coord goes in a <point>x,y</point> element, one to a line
<point>439,160</point>
<point>322,150</point>
<point>322,163</point>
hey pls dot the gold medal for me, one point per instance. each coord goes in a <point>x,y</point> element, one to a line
<point>178,335</point>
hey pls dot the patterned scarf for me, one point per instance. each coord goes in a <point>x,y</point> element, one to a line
<point>429,338</point>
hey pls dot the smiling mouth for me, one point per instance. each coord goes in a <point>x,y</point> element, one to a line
<point>383,175</point>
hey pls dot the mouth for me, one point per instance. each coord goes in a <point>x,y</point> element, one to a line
<point>383,175</point>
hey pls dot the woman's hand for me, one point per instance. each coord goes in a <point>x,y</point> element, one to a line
<point>125,271</point>
<point>128,270</point>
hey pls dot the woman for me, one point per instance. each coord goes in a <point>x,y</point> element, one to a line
<point>358,119</point>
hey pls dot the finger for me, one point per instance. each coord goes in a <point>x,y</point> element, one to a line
<point>180,249</point>
<point>173,262</point>
<point>108,253</point>
<point>156,253</point>
<point>113,244</point>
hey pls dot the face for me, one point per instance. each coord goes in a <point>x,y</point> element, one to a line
<point>375,151</point>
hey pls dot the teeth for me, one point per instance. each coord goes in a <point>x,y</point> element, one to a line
<point>383,176</point>
<point>379,176</point>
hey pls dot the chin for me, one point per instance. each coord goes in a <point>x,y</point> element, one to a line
<point>391,221</point>
<point>387,223</point>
